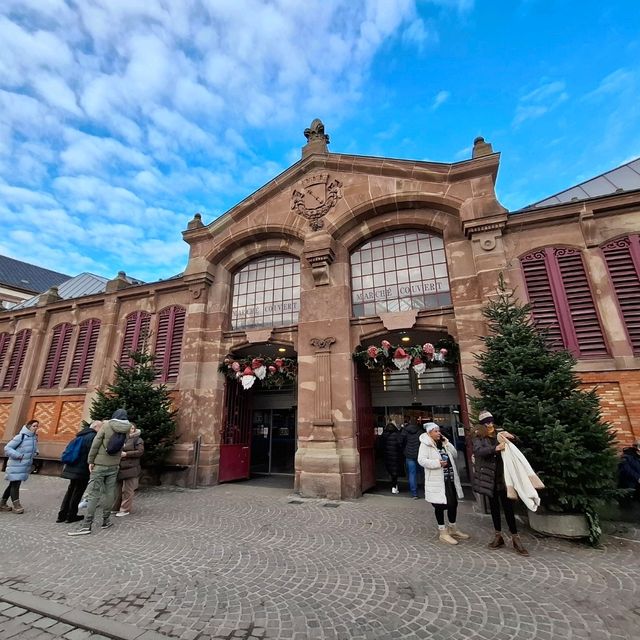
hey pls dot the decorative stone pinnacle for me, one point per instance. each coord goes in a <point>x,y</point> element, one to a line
<point>195,222</point>
<point>316,132</point>
<point>481,148</point>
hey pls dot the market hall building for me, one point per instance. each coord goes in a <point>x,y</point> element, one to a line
<point>335,255</point>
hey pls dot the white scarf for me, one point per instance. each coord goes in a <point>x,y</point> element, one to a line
<point>519,478</point>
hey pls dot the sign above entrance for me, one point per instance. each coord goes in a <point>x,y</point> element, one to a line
<point>314,197</point>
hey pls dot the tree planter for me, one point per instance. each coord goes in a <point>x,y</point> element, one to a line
<point>560,525</point>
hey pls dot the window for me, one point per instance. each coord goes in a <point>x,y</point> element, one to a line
<point>57,356</point>
<point>399,271</point>
<point>5,338</point>
<point>266,293</point>
<point>135,334</point>
<point>84,354</point>
<point>561,300</point>
<point>169,344</point>
<point>16,361</point>
<point>623,262</point>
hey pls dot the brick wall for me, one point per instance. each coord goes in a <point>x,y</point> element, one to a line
<point>619,393</point>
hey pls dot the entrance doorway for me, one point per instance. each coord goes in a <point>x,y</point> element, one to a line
<point>273,441</point>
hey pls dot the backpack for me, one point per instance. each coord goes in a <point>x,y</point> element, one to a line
<point>71,453</point>
<point>116,442</point>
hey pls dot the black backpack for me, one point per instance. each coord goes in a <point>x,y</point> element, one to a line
<point>116,442</point>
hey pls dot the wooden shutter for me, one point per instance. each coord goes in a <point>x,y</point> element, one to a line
<point>136,331</point>
<point>84,353</point>
<point>168,349</point>
<point>5,338</point>
<point>16,361</point>
<point>57,356</point>
<point>623,262</point>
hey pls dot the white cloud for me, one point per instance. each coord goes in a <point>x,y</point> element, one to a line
<point>538,102</point>
<point>440,99</point>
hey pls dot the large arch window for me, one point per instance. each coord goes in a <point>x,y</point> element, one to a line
<point>623,262</point>
<point>560,296</point>
<point>266,293</point>
<point>399,271</point>
<point>57,356</point>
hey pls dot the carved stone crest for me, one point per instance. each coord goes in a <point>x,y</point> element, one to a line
<point>314,197</point>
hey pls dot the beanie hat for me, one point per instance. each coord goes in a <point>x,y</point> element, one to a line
<point>430,426</point>
<point>485,417</point>
<point>120,414</point>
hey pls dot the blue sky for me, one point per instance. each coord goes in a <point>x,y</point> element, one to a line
<point>121,118</point>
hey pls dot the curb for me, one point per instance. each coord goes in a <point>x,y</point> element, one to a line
<point>81,619</point>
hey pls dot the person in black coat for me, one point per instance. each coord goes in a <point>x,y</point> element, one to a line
<point>488,480</point>
<point>78,475</point>
<point>410,446</point>
<point>629,469</point>
<point>391,444</point>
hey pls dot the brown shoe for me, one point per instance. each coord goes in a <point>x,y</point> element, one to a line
<point>518,546</point>
<point>4,506</point>
<point>17,507</point>
<point>497,542</point>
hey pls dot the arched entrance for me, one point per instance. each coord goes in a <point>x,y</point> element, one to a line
<point>259,435</point>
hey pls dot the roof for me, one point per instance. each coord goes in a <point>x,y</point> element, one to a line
<point>626,177</point>
<point>28,277</point>
<point>84,284</point>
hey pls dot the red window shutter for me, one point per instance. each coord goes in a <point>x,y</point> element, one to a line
<point>16,360</point>
<point>584,316</point>
<point>136,331</point>
<point>623,262</point>
<point>5,338</point>
<point>84,353</point>
<point>169,343</point>
<point>57,356</point>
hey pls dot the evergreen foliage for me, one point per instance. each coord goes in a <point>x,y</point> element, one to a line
<point>533,392</point>
<point>148,406</point>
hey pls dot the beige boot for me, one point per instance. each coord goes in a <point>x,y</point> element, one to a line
<point>458,535</point>
<point>17,507</point>
<point>4,506</point>
<point>445,537</point>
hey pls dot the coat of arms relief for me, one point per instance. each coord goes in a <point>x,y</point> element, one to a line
<point>314,197</point>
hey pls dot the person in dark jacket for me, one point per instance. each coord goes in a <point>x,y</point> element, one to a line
<point>410,447</point>
<point>130,470</point>
<point>488,480</point>
<point>391,443</point>
<point>78,475</point>
<point>629,469</point>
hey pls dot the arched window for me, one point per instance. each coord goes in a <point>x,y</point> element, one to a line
<point>135,333</point>
<point>57,356</point>
<point>561,300</point>
<point>5,338</point>
<point>266,293</point>
<point>623,262</point>
<point>16,360</point>
<point>169,343</point>
<point>84,353</point>
<point>399,271</point>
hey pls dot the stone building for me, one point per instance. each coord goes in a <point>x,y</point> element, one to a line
<point>338,253</point>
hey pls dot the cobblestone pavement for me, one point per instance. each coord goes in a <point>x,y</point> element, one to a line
<point>239,561</point>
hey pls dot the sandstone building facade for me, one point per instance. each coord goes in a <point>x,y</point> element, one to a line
<point>338,253</point>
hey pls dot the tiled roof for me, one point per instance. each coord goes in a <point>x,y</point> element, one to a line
<point>28,277</point>
<point>624,178</point>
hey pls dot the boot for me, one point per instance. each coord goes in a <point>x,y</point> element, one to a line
<point>497,542</point>
<point>458,535</point>
<point>84,530</point>
<point>4,506</point>
<point>443,536</point>
<point>17,507</point>
<point>518,546</point>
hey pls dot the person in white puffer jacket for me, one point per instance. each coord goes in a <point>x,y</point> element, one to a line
<point>442,486</point>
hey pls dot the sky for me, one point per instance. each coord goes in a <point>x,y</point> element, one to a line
<point>119,119</point>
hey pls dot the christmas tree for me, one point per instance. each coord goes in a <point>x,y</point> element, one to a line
<point>148,406</point>
<point>533,391</point>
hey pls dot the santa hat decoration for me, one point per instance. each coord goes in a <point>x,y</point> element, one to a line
<point>247,378</point>
<point>279,362</point>
<point>272,369</point>
<point>418,366</point>
<point>401,359</point>
<point>429,350</point>
<point>258,368</point>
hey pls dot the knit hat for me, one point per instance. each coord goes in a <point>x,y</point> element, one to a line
<point>430,426</point>
<point>485,417</point>
<point>120,414</point>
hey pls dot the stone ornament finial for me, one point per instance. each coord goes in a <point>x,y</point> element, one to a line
<point>481,148</point>
<point>314,197</point>
<point>316,132</point>
<point>195,222</point>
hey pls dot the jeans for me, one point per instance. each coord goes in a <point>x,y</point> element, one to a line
<point>103,485</point>
<point>412,474</point>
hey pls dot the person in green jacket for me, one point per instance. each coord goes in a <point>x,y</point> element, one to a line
<point>104,462</point>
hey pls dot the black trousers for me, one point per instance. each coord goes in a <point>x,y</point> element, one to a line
<point>451,507</point>
<point>12,490</point>
<point>71,500</point>
<point>500,497</point>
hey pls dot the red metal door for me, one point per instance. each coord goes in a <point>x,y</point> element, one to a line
<point>235,440</point>
<point>365,429</point>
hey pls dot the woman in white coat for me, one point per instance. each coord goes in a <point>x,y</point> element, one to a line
<point>441,481</point>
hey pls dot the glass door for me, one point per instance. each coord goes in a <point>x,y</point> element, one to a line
<point>273,441</point>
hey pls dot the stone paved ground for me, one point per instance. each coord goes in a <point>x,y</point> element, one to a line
<point>239,561</point>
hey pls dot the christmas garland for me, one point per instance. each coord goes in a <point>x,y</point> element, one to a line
<point>271,372</point>
<point>422,357</point>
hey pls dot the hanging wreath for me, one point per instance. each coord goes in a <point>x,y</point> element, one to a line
<point>271,372</point>
<point>421,357</point>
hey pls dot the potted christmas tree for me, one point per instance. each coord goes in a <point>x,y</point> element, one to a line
<point>533,391</point>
